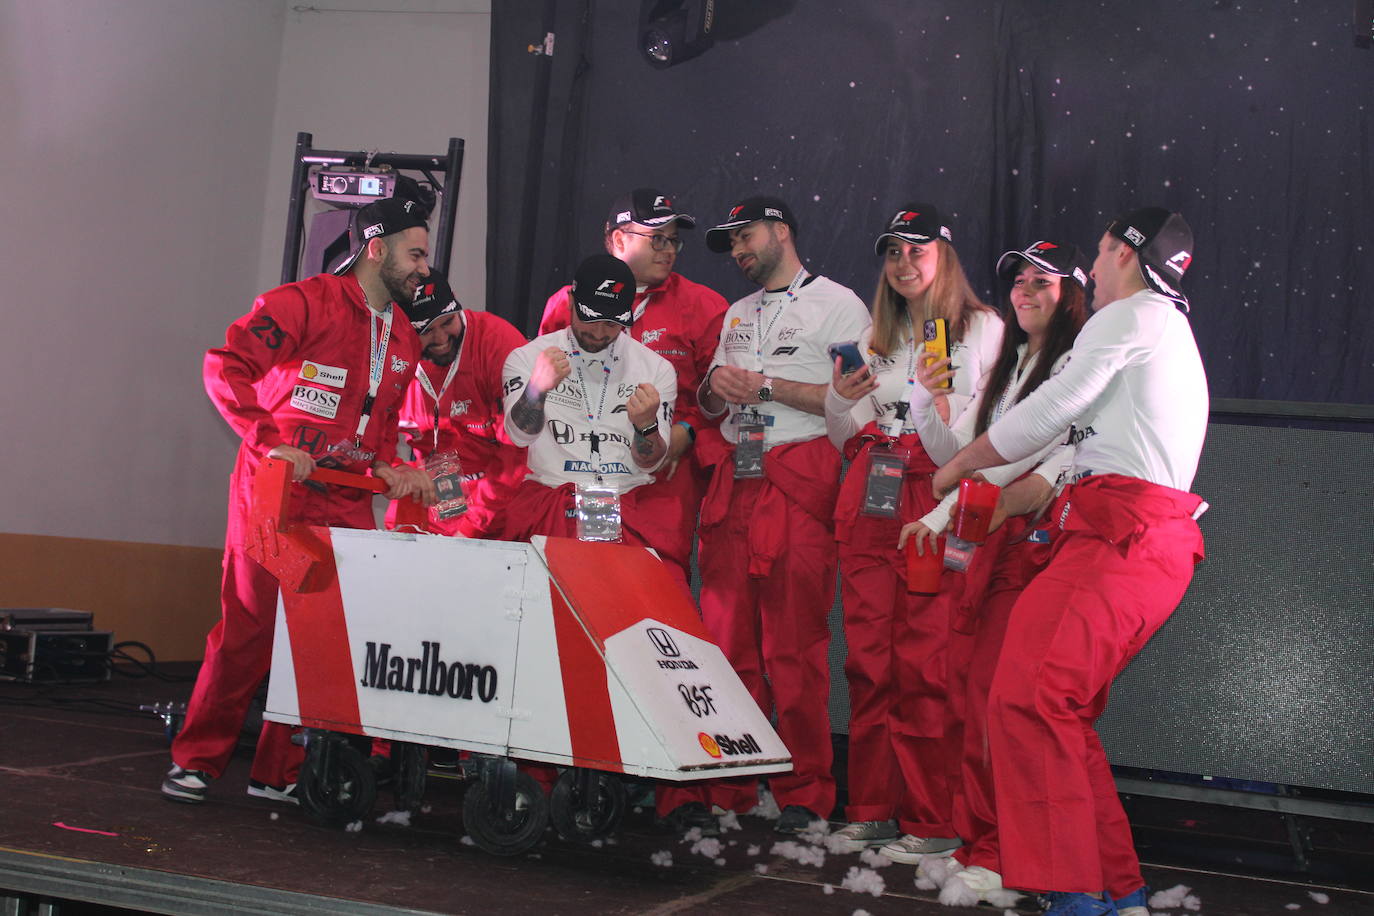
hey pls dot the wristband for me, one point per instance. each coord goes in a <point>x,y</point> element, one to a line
<point>647,431</point>
<point>691,433</point>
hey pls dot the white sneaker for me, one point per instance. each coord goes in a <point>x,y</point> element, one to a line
<point>974,885</point>
<point>272,793</point>
<point>910,849</point>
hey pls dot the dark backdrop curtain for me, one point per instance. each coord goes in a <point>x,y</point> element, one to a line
<point>1022,119</point>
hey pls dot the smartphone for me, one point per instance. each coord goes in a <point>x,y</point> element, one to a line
<point>851,360</point>
<point>936,332</point>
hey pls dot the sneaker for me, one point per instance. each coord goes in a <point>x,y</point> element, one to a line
<point>973,885</point>
<point>187,786</point>
<point>860,835</point>
<point>795,819</point>
<point>272,793</point>
<point>1136,903</point>
<point>691,816</point>
<point>909,849</point>
<point>1063,903</point>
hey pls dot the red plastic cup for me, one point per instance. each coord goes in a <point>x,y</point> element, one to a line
<point>923,570</point>
<point>973,514</point>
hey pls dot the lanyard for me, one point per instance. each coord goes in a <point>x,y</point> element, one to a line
<point>1023,362</point>
<point>423,378</point>
<point>576,355</point>
<point>376,366</point>
<point>639,309</point>
<point>791,294</point>
<point>894,428</point>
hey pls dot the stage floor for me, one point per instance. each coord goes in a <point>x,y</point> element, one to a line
<point>83,820</point>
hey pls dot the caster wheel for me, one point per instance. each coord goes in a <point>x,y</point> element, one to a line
<point>511,831</point>
<point>586,805</point>
<point>336,785</point>
<point>409,764</point>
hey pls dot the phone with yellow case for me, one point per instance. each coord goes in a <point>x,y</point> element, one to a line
<point>936,333</point>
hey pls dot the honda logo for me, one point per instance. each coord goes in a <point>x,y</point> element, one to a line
<point>562,432</point>
<point>663,642</point>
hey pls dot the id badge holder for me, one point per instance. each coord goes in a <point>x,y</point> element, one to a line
<point>598,513</point>
<point>883,483</point>
<point>749,449</point>
<point>447,473</point>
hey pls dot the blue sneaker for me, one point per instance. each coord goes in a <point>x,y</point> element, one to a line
<point>1064,903</point>
<point>1136,903</point>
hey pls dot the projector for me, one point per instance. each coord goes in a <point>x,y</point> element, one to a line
<point>353,186</point>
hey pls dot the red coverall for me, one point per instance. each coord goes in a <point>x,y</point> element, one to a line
<point>767,557</point>
<point>1119,567</point>
<point>308,343</point>
<point>899,760</point>
<point>470,423</point>
<point>681,322</point>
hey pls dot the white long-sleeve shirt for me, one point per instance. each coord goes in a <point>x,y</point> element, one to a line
<point>973,355</point>
<point>942,442</point>
<point>1134,390</point>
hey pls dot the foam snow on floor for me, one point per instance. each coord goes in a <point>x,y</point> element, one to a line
<point>729,821</point>
<point>691,836</point>
<point>861,913</point>
<point>355,827</point>
<point>1319,896</point>
<point>1179,896</point>
<point>863,881</point>
<point>753,849</point>
<point>767,808</point>
<point>708,847</point>
<point>663,858</point>
<point>925,884</point>
<point>1292,906</point>
<point>828,888</point>
<point>761,869</point>
<point>799,852</point>
<point>274,815</point>
<point>467,840</point>
<point>401,818</point>
<point>874,859</point>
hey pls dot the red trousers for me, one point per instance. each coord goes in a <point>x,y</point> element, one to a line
<point>896,668</point>
<point>238,653</point>
<point>999,574</point>
<point>772,627</point>
<point>1120,567</point>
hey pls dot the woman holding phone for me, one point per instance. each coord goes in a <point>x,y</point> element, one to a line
<point>898,796</point>
<point>1046,307</point>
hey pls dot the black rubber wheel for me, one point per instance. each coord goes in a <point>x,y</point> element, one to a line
<point>583,819</point>
<point>336,785</point>
<point>506,833</point>
<point>409,763</point>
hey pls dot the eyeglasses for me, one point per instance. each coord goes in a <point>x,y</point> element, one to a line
<point>658,242</point>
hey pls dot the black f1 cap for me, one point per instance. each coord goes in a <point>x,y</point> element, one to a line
<point>1058,258</point>
<point>604,290</point>
<point>382,218</point>
<point>647,207</point>
<point>745,212</point>
<point>1163,244</point>
<point>917,224</point>
<point>433,300</point>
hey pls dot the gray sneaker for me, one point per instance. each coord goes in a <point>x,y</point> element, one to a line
<point>860,835</point>
<point>911,849</point>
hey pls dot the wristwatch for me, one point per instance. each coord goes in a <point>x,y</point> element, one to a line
<point>766,391</point>
<point>647,431</point>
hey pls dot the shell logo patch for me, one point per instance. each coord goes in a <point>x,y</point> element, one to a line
<point>708,744</point>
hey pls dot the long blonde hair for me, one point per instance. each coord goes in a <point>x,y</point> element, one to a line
<point>949,296</point>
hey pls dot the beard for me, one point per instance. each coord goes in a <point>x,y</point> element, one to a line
<point>399,286</point>
<point>446,358</point>
<point>765,262</point>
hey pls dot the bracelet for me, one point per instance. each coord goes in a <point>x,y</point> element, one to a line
<point>647,431</point>
<point>691,433</point>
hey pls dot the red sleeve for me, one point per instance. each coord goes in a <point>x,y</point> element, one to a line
<point>556,312</point>
<point>504,338</point>
<point>708,316</point>
<point>265,337</point>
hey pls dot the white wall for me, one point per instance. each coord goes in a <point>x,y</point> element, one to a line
<point>396,82</point>
<point>145,156</point>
